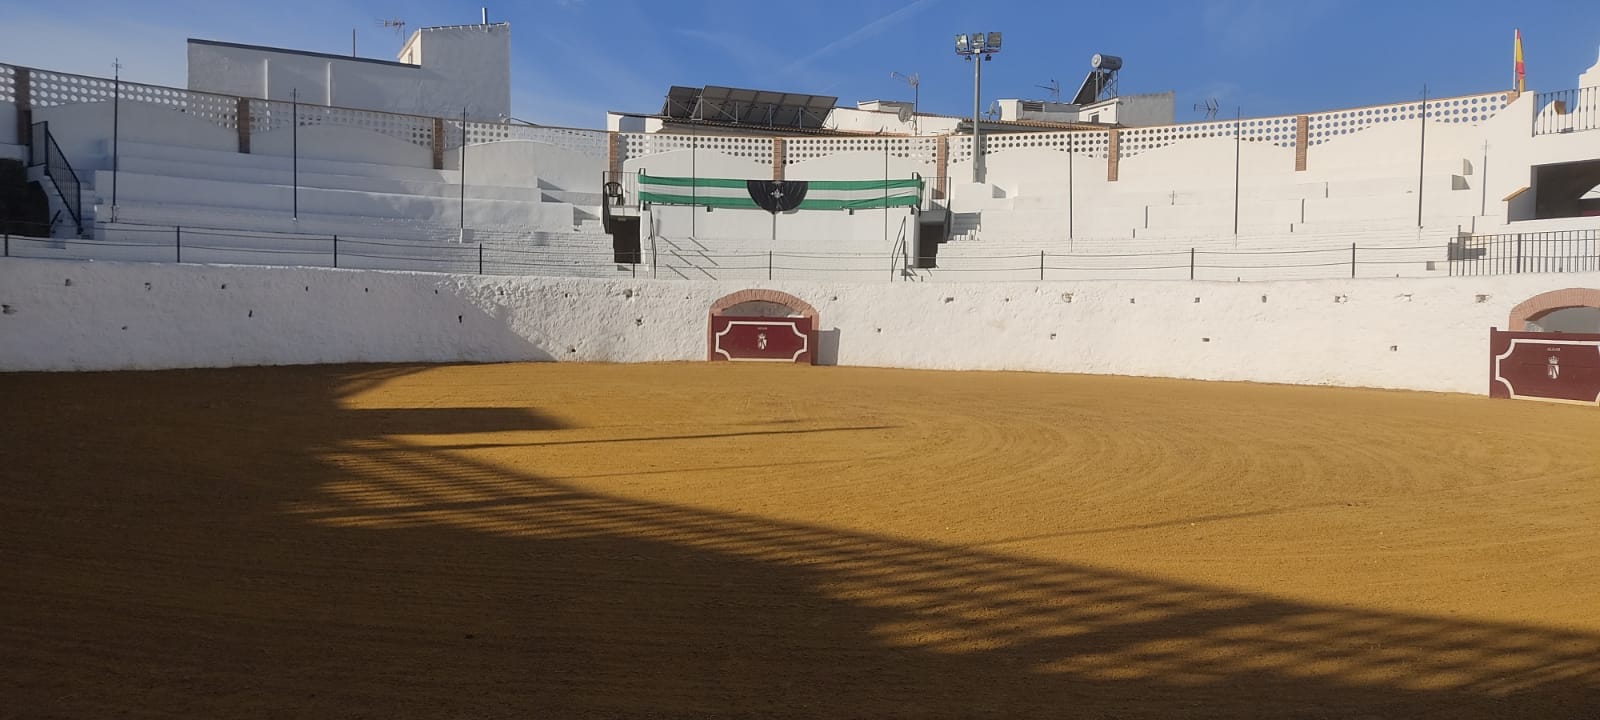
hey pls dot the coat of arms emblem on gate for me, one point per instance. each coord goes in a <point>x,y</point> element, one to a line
<point>1554,369</point>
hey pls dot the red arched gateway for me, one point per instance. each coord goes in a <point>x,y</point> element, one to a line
<point>1564,367</point>
<point>1543,304</point>
<point>753,332</point>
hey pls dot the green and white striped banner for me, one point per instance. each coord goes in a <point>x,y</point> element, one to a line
<point>781,195</point>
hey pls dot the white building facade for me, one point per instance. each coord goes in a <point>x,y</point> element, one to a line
<point>438,72</point>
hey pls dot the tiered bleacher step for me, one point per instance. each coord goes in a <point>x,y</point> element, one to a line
<point>1267,256</point>
<point>182,179</point>
<point>683,258</point>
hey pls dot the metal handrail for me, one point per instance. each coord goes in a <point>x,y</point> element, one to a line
<point>58,169</point>
<point>1564,111</point>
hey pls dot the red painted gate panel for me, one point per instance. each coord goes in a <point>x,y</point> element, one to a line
<point>762,339</point>
<point>1544,366</point>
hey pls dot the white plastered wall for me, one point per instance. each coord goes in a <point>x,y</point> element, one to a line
<point>466,66</point>
<point>1412,334</point>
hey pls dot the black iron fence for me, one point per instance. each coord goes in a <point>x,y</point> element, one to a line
<point>1557,251</point>
<point>43,151</point>
<point>1564,111</point>
<point>1470,255</point>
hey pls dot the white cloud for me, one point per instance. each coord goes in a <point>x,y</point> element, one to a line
<point>861,34</point>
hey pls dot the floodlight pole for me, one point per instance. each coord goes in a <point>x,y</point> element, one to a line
<point>977,85</point>
<point>976,48</point>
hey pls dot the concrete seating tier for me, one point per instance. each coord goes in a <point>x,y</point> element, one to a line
<point>748,259</point>
<point>534,253</point>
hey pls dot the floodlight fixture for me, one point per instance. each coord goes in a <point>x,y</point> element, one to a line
<point>982,47</point>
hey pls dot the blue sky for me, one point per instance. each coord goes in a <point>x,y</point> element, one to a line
<point>575,59</point>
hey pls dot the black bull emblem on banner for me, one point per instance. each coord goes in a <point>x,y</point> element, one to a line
<point>776,196</point>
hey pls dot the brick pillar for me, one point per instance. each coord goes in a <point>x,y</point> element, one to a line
<point>1113,155</point>
<point>1302,141</point>
<point>24,107</point>
<point>438,143</point>
<point>941,161</point>
<point>241,118</point>
<point>615,154</point>
<point>780,153</point>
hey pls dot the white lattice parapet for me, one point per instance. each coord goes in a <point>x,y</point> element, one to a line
<point>8,84</point>
<point>1472,109</point>
<point>272,115</point>
<point>801,149</point>
<point>584,142</point>
<point>1092,143</point>
<point>51,89</point>
<point>1275,130</point>
<point>756,149</point>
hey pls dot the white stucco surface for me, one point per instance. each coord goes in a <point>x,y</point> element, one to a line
<point>1591,77</point>
<point>454,67</point>
<point>1422,334</point>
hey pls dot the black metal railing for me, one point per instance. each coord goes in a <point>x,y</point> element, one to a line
<point>1555,251</point>
<point>1567,251</point>
<point>43,151</point>
<point>1564,111</point>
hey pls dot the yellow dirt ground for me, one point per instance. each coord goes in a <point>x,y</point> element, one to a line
<point>695,540</point>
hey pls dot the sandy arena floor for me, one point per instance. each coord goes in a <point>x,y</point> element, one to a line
<point>694,540</point>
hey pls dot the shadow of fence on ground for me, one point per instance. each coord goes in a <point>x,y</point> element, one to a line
<point>384,575</point>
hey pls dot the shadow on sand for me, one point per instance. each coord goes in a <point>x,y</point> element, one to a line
<point>197,553</point>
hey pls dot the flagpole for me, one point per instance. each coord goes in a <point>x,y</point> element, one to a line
<point>1519,69</point>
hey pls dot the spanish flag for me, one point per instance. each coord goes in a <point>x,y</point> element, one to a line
<point>1521,71</point>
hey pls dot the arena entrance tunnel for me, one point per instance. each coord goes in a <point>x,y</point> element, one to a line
<point>1566,190</point>
<point>1569,310</point>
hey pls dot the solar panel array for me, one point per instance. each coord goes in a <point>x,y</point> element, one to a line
<point>761,108</point>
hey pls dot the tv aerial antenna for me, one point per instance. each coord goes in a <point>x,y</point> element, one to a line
<point>1054,88</point>
<point>1210,106</point>
<point>398,25</point>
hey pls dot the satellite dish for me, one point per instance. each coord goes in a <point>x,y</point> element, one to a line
<point>1105,62</point>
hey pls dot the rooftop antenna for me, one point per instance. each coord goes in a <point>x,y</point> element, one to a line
<point>915,81</point>
<point>994,110</point>
<point>1210,106</point>
<point>398,25</point>
<point>1054,89</point>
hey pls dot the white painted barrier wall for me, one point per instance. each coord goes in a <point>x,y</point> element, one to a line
<point>1427,334</point>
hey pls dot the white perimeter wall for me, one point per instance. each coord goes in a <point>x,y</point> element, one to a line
<point>1422,334</point>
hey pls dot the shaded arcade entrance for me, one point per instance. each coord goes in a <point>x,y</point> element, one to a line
<point>1563,190</point>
